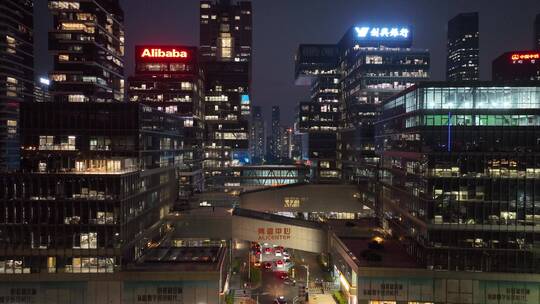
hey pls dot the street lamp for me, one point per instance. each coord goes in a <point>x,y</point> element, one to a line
<point>307,279</point>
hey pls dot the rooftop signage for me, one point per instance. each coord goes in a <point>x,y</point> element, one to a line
<point>159,53</point>
<point>525,56</point>
<point>382,32</point>
<point>163,53</point>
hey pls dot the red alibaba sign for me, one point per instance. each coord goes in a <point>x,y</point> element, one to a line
<point>160,53</point>
<point>526,56</point>
<point>164,53</point>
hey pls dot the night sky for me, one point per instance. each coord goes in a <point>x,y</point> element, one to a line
<point>280,25</point>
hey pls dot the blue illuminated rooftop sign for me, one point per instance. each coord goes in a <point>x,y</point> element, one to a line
<point>378,32</point>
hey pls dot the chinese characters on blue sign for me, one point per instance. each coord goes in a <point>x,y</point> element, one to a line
<point>382,32</point>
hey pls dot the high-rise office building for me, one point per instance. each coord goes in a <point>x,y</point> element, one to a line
<point>285,143</point>
<point>169,78</point>
<point>226,30</point>
<point>96,176</point>
<point>536,43</point>
<point>316,65</point>
<point>227,115</point>
<point>275,135</point>
<point>377,62</point>
<point>225,48</point>
<point>462,61</point>
<point>517,66</point>
<point>17,81</point>
<point>257,139</point>
<point>87,42</point>
<point>459,174</point>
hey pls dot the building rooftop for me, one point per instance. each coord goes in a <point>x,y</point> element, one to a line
<point>204,258</point>
<point>385,253</point>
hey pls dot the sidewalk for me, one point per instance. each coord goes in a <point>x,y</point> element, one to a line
<point>321,299</point>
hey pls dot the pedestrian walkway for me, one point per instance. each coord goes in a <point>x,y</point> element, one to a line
<point>321,299</point>
<point>242,293</point>
<point>244,301</point>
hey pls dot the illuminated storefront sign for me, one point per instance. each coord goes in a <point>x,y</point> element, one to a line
<point>525,56</point>
<point>382,32</point>
<point>159,53</point>
<point>273,233</point>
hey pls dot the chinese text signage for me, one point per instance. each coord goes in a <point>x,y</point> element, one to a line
<point>273,233</point>
<point>375,32</point>
<point>525,56</point>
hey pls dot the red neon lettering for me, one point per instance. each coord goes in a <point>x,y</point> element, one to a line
<point>530,56</point>
<point>159,53</point>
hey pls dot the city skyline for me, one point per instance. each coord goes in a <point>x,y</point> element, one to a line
<point>143,170</point>
<point>502,28</point>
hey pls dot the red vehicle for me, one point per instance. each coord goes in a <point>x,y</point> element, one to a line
<point>267,250</point>
<point>267,265</point>
<point>279,263</point>
<point>283,275</point>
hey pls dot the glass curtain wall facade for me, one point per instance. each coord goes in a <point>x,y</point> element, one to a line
<point>227,116</point>
<point>225,48</point>
<point>95,180</point>
<point>87,36</point>
<point>319,118</point>
<point>369,75</point>
<point>17,81</point>
<point>463,48</point>
<point>459,178</point>
<point>175,86</point>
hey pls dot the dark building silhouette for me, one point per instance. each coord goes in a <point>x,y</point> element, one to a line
<point>462,61</point>
<point>536,43</point>
<point>517,66</point>
<point>17,81</point>
<point>274,153</point>
<point>316,65</point>
<point>257,139</point>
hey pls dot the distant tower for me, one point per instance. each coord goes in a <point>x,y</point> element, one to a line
<point>537,32</point>
<point>257,136</point>
<point>275,146</point>
<point>463,48</point>
<point>17,70</point>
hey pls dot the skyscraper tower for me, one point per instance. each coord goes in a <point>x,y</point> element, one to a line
<point>463,48</point>
<point>537,32</point>
<point>16,68</point>
<point>88,47</point>
<point>225,33</point>
<point>275,144</point>
<point>225,49</point>
<point>257,136</point>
